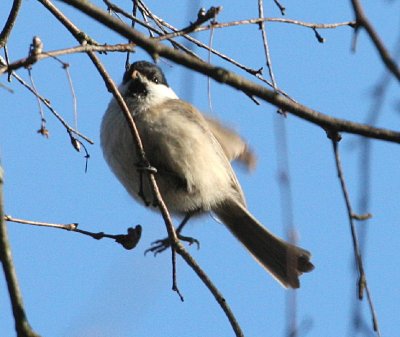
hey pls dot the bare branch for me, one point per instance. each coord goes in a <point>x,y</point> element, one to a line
<point>278,20</point>
<point>265,44</point>
<point>8,26</point>
<point>163,33</point>
<point>201,18</point>
<point>362,281</point>
<point>175,243</point>
<point>29,61</point>
<point>156,49</point>
<point>159,21</point>
<point>43,130</point>
<point>46,102</point>
<point>145,24</point>
<point>363,22</point>
<point>280,6</point>
<point>21,321</point>
<point>128,241</point>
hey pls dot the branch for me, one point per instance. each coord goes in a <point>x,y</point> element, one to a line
<point>145,24</point>
<point>160,23</point>
<point>177,246</point>
<point>163,35</point>
<point>280,6</point>
<point>128,241</point>
<point>8,26</point>
<point>362,281</point>
<point>265,44</point>
<point>156,50</point>
<point>279,20</point>
<point>21,321</point>
<point>202,17</point>
<point>32,59</point>
<point>363,22</point>
<point>261,20</point>
<point>71,132</point>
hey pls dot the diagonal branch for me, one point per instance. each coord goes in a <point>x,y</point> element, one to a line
<point>363,22</point>
<point>8,26</point>
<point>156,49</point>
<point>176,245</point>
<point>145,24</point>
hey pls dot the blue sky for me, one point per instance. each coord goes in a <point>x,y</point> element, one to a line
<point>76,286</point>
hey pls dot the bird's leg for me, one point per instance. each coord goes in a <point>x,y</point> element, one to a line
<point>159,246</point>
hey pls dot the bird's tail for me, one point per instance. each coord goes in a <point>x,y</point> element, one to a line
<point>286,262</point>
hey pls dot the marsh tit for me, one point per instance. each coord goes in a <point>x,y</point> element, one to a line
<point>192,155</point>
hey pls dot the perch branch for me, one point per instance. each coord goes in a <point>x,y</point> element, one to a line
<point>177,246</point>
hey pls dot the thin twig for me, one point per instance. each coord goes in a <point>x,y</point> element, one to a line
<point>46,102</point>
<point>174,276</point>
<point>363,22</point>
<point>362,280</point>
<point>280,6</point>
<point>29,61</point>
<point>156,49</point>
<point>254,72</point>
<point>21,321</point>
<point>146,24</point>
<point>128,241</point>
<point>213,289</point>
<point>210,42</point>
<point>201,18</point>
<point>265,44</point>
<point>6,62</point>
<point>200,44</point>
<point>277,20</point>
<point>43,130</point>
<point>74,99</point>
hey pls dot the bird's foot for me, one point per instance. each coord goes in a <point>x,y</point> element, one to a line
<point>159,246</point>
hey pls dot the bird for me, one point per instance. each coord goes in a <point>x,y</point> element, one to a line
<point>192,156</point>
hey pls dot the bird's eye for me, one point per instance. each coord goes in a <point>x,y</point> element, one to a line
<point>155,79</point>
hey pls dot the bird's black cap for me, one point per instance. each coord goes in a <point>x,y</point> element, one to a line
<point>150,70</point>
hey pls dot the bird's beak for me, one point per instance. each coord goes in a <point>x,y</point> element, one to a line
<point>136,75</point>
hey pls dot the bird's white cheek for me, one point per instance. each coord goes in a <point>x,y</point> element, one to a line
<point>158,93</point>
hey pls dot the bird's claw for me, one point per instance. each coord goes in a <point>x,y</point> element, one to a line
<point>159,246</point>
